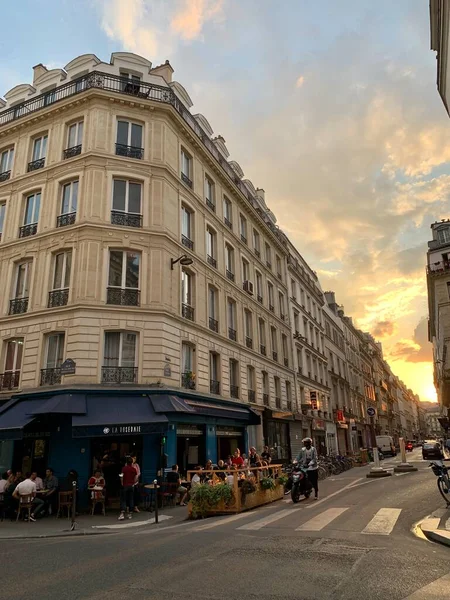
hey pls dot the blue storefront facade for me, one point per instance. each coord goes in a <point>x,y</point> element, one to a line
<point>82,428</point>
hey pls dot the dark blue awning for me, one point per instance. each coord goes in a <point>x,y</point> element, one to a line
<point>163,403</point>
<point>118,415</point>
<point>15,415</point>
<point>230,410</point>
<point>71,404</point>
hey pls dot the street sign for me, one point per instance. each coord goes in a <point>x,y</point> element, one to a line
<point>68,367</point>
<point>371,411</point>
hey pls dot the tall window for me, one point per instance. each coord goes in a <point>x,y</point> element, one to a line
<point>277,385</point>
<point>243,228</point>
<point>123,281</point>
<point>6,162</point>
<point>248,323</point>
<point>294,289</point>
<point>119,359</point>
<point>130,83</point>
<point>69,204</point>
<point>299,360</point>
<point>285,350</point>
<point>187,295</point>
<point>13,364</point>
<point>59,294</point>
<point>229,261</point>
<point>245,270</point>
<point>211,247</point>
<point>227,213</point>
<point>259,286</point>
<point>251,383</point>
<point>186,168</point>
<point>126,204</point>
<point>187,366</point>
<point>281,303</point>
<point>265,388</point>
<point>209,194</point>
<point>278,263</point>
<point>262,336</point>
<point>289,395</point>
<point>273,339</point>
<point>271,296</point>
<point>231,316</point>
<point>39,148</point>
<point>74,140</point>
<point>256,243</point>
<point>443,234</point>
<point>268,256</point>
<point>2,217</point>
<point>54,356</point>
<point>31,215</point>
<point>212,309</point>
<point>234,378</point>
<point>187,226</point>
<point>21,290</point>
<point>296,322</point>
<point>129,140</point>
<point>214,373</point>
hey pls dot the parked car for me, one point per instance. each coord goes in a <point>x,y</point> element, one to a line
<point>431,450</point>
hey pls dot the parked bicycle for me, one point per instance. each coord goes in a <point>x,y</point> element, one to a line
<point>443,481</point>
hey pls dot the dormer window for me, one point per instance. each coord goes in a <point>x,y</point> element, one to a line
<point>444,236</point>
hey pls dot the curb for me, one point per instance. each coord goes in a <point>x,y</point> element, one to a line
<point>433,527</point>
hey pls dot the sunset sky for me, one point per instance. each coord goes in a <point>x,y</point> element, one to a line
<point>329,106</point>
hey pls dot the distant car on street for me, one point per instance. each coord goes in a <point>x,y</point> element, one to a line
<point>431,450</point>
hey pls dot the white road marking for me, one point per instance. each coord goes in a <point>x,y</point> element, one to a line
<point>161,529</point>
<point>131,523</point>
<point>222,521</point>
<point>260,523</point>
<point>322,520</point>
<point>383,522</point>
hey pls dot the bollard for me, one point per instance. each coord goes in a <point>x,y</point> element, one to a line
<point>404,466</point>
<point>155,483</point>
<point>377,470</point>
<point>74,505</point>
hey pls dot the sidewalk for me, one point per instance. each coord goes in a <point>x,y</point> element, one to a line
<point>88,524</point>
<point>436,527</point>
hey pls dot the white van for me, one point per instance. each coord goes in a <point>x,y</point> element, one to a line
<point>386,444</point>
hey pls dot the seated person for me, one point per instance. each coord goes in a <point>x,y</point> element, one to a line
<point>237,459</point>
<point>174,477</point>
<point>221,467</point>
<point>97,484</point>
<point>27,487</point>
<point>51,485</point>
<point>197,478</point>
<point>38,481</point>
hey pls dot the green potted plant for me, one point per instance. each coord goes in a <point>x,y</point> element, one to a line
<point>267,483</point>
<point>205,498</point>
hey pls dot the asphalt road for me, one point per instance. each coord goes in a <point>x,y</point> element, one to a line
<point>355,543</point>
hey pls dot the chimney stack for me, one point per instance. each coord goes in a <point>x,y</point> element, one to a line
<point>38,70</point>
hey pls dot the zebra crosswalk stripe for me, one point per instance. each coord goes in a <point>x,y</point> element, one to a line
<point>383,522</point>
<point>320,521</point>
<point>260,523</point>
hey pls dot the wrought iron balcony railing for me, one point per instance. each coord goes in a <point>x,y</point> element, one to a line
<point>243,238</point>
<point>5,176</point>
<point>262,349</point>
<point>129,151</point>
<point>123,296</point>
<point>71,152</point>
<point>268,264</point>
<point>278,402</point>
<point>214,386</point>
<point>210,205</point>
<point>34,165</point>
<point>230,275</point>
<point>186,180</point>
<point>286,362</point>
<point>438,268</point>
<point>266,399</point>
<point>249,342</point>
<point>188,380</point>
<point>275,356</point>
<point>66,219</point>
<point>27,230</point>
<point>9,380</point>
<point>50,376</point>
<point>271,308</point>
<point>58,298</point>
<point>257,252</point>
<point>289,404</point>
<point>251,395</point>
<point>232,334</point>
<point>126,219</point>
<point>213,324</point>
<point>120,85</point>
<point>187,242</point>
<point>119,375</point>
<point>234,391</point>
<point>212,261</point>
<point>18,306</point>
<point>187,312</point>
<point>228,223</point>
<point>260,299</point>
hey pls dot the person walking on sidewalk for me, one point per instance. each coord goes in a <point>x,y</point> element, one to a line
<point>308,459</point>
<point>128,477</point>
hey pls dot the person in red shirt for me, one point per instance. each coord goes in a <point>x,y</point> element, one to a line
<point>128,478</point>
<point>237,459</point>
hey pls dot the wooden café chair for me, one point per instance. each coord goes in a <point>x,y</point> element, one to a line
<point>25,504</point>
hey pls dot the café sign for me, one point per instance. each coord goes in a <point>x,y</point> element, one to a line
<point>115,429</point>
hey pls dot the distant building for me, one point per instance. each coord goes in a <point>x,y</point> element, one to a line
<point>439,30</point>
<point>438,282</point>
<point>434,428</point>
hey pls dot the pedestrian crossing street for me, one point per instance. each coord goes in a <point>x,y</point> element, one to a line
<point>344,518</point>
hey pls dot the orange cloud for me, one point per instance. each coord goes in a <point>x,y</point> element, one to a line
<point>384,329</point>
<point>189,21</point>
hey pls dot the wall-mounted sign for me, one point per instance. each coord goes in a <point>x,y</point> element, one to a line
<point>167,371</point>
<point>36,434</point>
<point>318,424</point>
<point>371,411</point>
<point>68,367</point>
<point>340,416</point>
<point>121,429</point>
